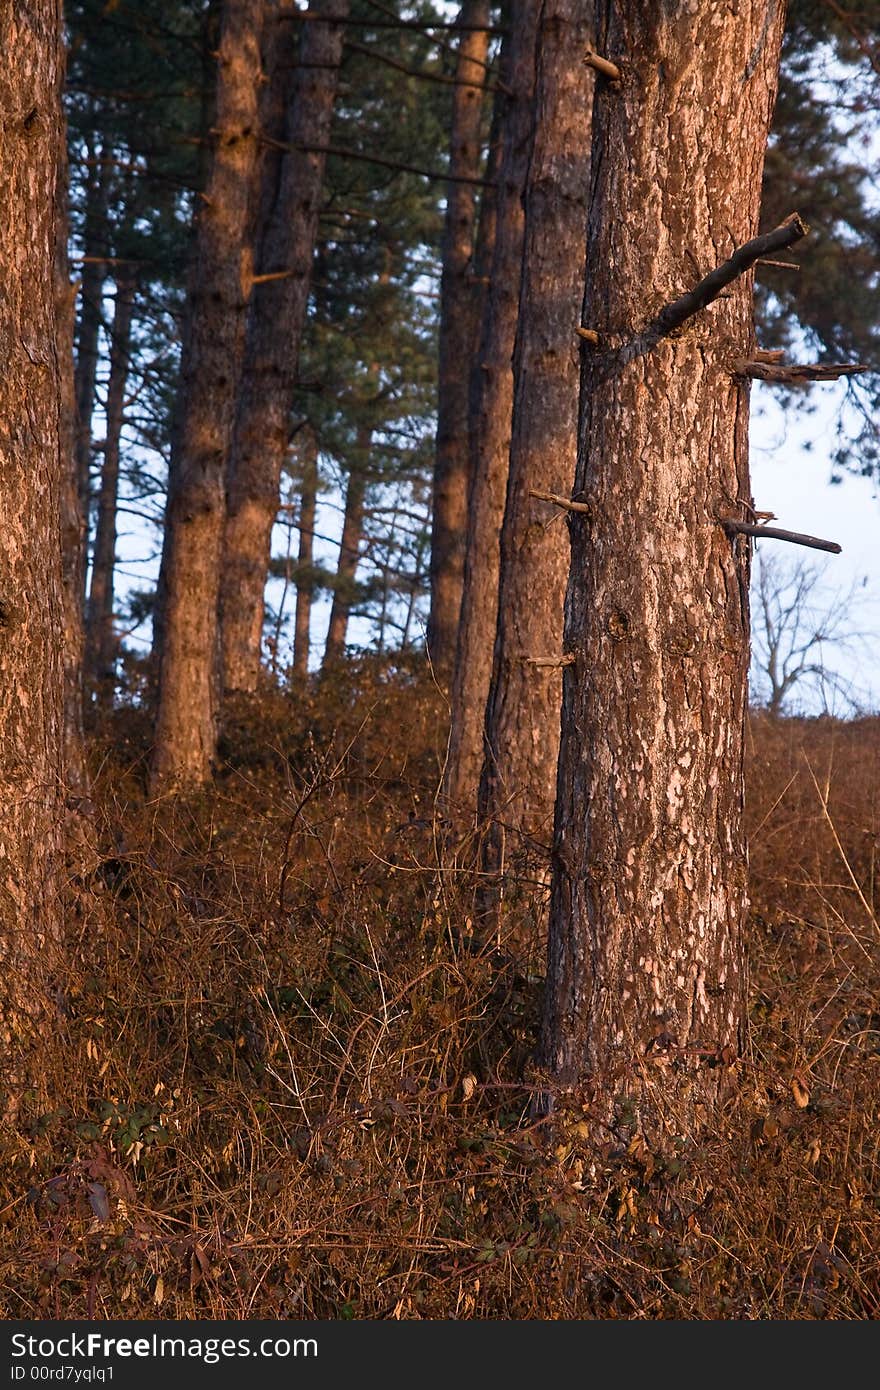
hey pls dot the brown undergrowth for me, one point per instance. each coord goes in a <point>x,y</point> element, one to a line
<point>286,1083</point>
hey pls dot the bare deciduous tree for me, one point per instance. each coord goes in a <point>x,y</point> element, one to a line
<point>804,632</point>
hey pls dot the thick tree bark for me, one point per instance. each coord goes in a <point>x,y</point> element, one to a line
<point>492,384</point>
<point>646,983</point>
<point>100,637</point>
<point>210,369</point>
<point>32,464</point>
<point>459,326</point>
<point>349,551</point>
<point>518,782</point>
<point>275,324</point>
<point>305,586</point>
<point>88,329</point>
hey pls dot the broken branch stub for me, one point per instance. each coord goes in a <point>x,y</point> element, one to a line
<point>748,528</point>
<point>709,288</point>
<point>798,374</point>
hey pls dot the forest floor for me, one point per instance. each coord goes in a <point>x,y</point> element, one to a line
<point>285,1083</point>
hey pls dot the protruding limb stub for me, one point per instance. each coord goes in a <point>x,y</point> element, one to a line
<point>749,528</point>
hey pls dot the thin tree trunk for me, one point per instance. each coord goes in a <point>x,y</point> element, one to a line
<point>349,551</point>
<point>100,637</point>
<point>210,367</point>
<point>32,600</point>
<point>646,979</point>
<point>458,330</point>
<point>492,384</point>
<point>305,586</point>
<point>522,715</point>
<point>262,425</point>
<point>72,518</point>
<point>88,329</point>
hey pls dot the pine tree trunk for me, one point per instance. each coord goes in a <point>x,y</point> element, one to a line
<point>210,368</point>
<point>100,637</point>
<point>459,327</point>
<point>32,608</point>
<point>73,522</point>
<point>646,981</point>
<point>305,560</point>
<point>492,383</point>
<point>349,551</point>
<point>89,326</point>
<point>262,426</point>
<point>522,715</point>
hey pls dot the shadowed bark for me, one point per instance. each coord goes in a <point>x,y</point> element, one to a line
<point>349,550</point>
<point>210,366</point>
<point>275,324</point>
<point>100,637</point>
<point>522,715</point>
<point>646,976</point>
<point>459,326</point>
<point>305,586</point>
<point>92,278</point>
<point>492,384</point>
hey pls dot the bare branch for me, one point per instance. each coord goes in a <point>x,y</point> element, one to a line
<point>747,528</point>
<point>797,374</point>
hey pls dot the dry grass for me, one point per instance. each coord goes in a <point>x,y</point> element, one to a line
<point>285,1084</point>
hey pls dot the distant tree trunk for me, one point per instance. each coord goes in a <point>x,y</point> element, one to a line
<point>277,316</point>
<point>349,550</point>
<point>210,367</point>
<point>459,327</point>
<point>73,529</point>
<point>522,715</point>
<point>32,463</point>
<point>646,984</point>
<point>492,383</point>
<point>94,272</point>
<point>305,586</point>
<point>100,637</point>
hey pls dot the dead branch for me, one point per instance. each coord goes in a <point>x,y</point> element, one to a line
<point>759,369</point>
<point>748,528</point>
<point>565,502</point>
<point>709,288</point>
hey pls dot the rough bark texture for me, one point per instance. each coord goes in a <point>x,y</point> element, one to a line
<point>210,368</point>
<point>305,559</point>
<point>521,745</point>
<point>32,464</point>
<point>349,551</point>
<point>275,324</point>
<point>459,327</point>
<point>100,637</point>
<point>645,995</point>
<point>492,383</point>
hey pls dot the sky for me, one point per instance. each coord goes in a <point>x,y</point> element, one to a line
<point>791,454</point>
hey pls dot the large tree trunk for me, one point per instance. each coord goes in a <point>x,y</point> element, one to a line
<point>32,462</point>
<point>522,715</point>
<point>92,278</point>
<point>210,369</point>
<point>100,637</point>
<point>459,327</point>
<point>646,983</point>
<point>492,383</point>
<point>349,550</point>
<point>305,584</point>
<point>262,426</point>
